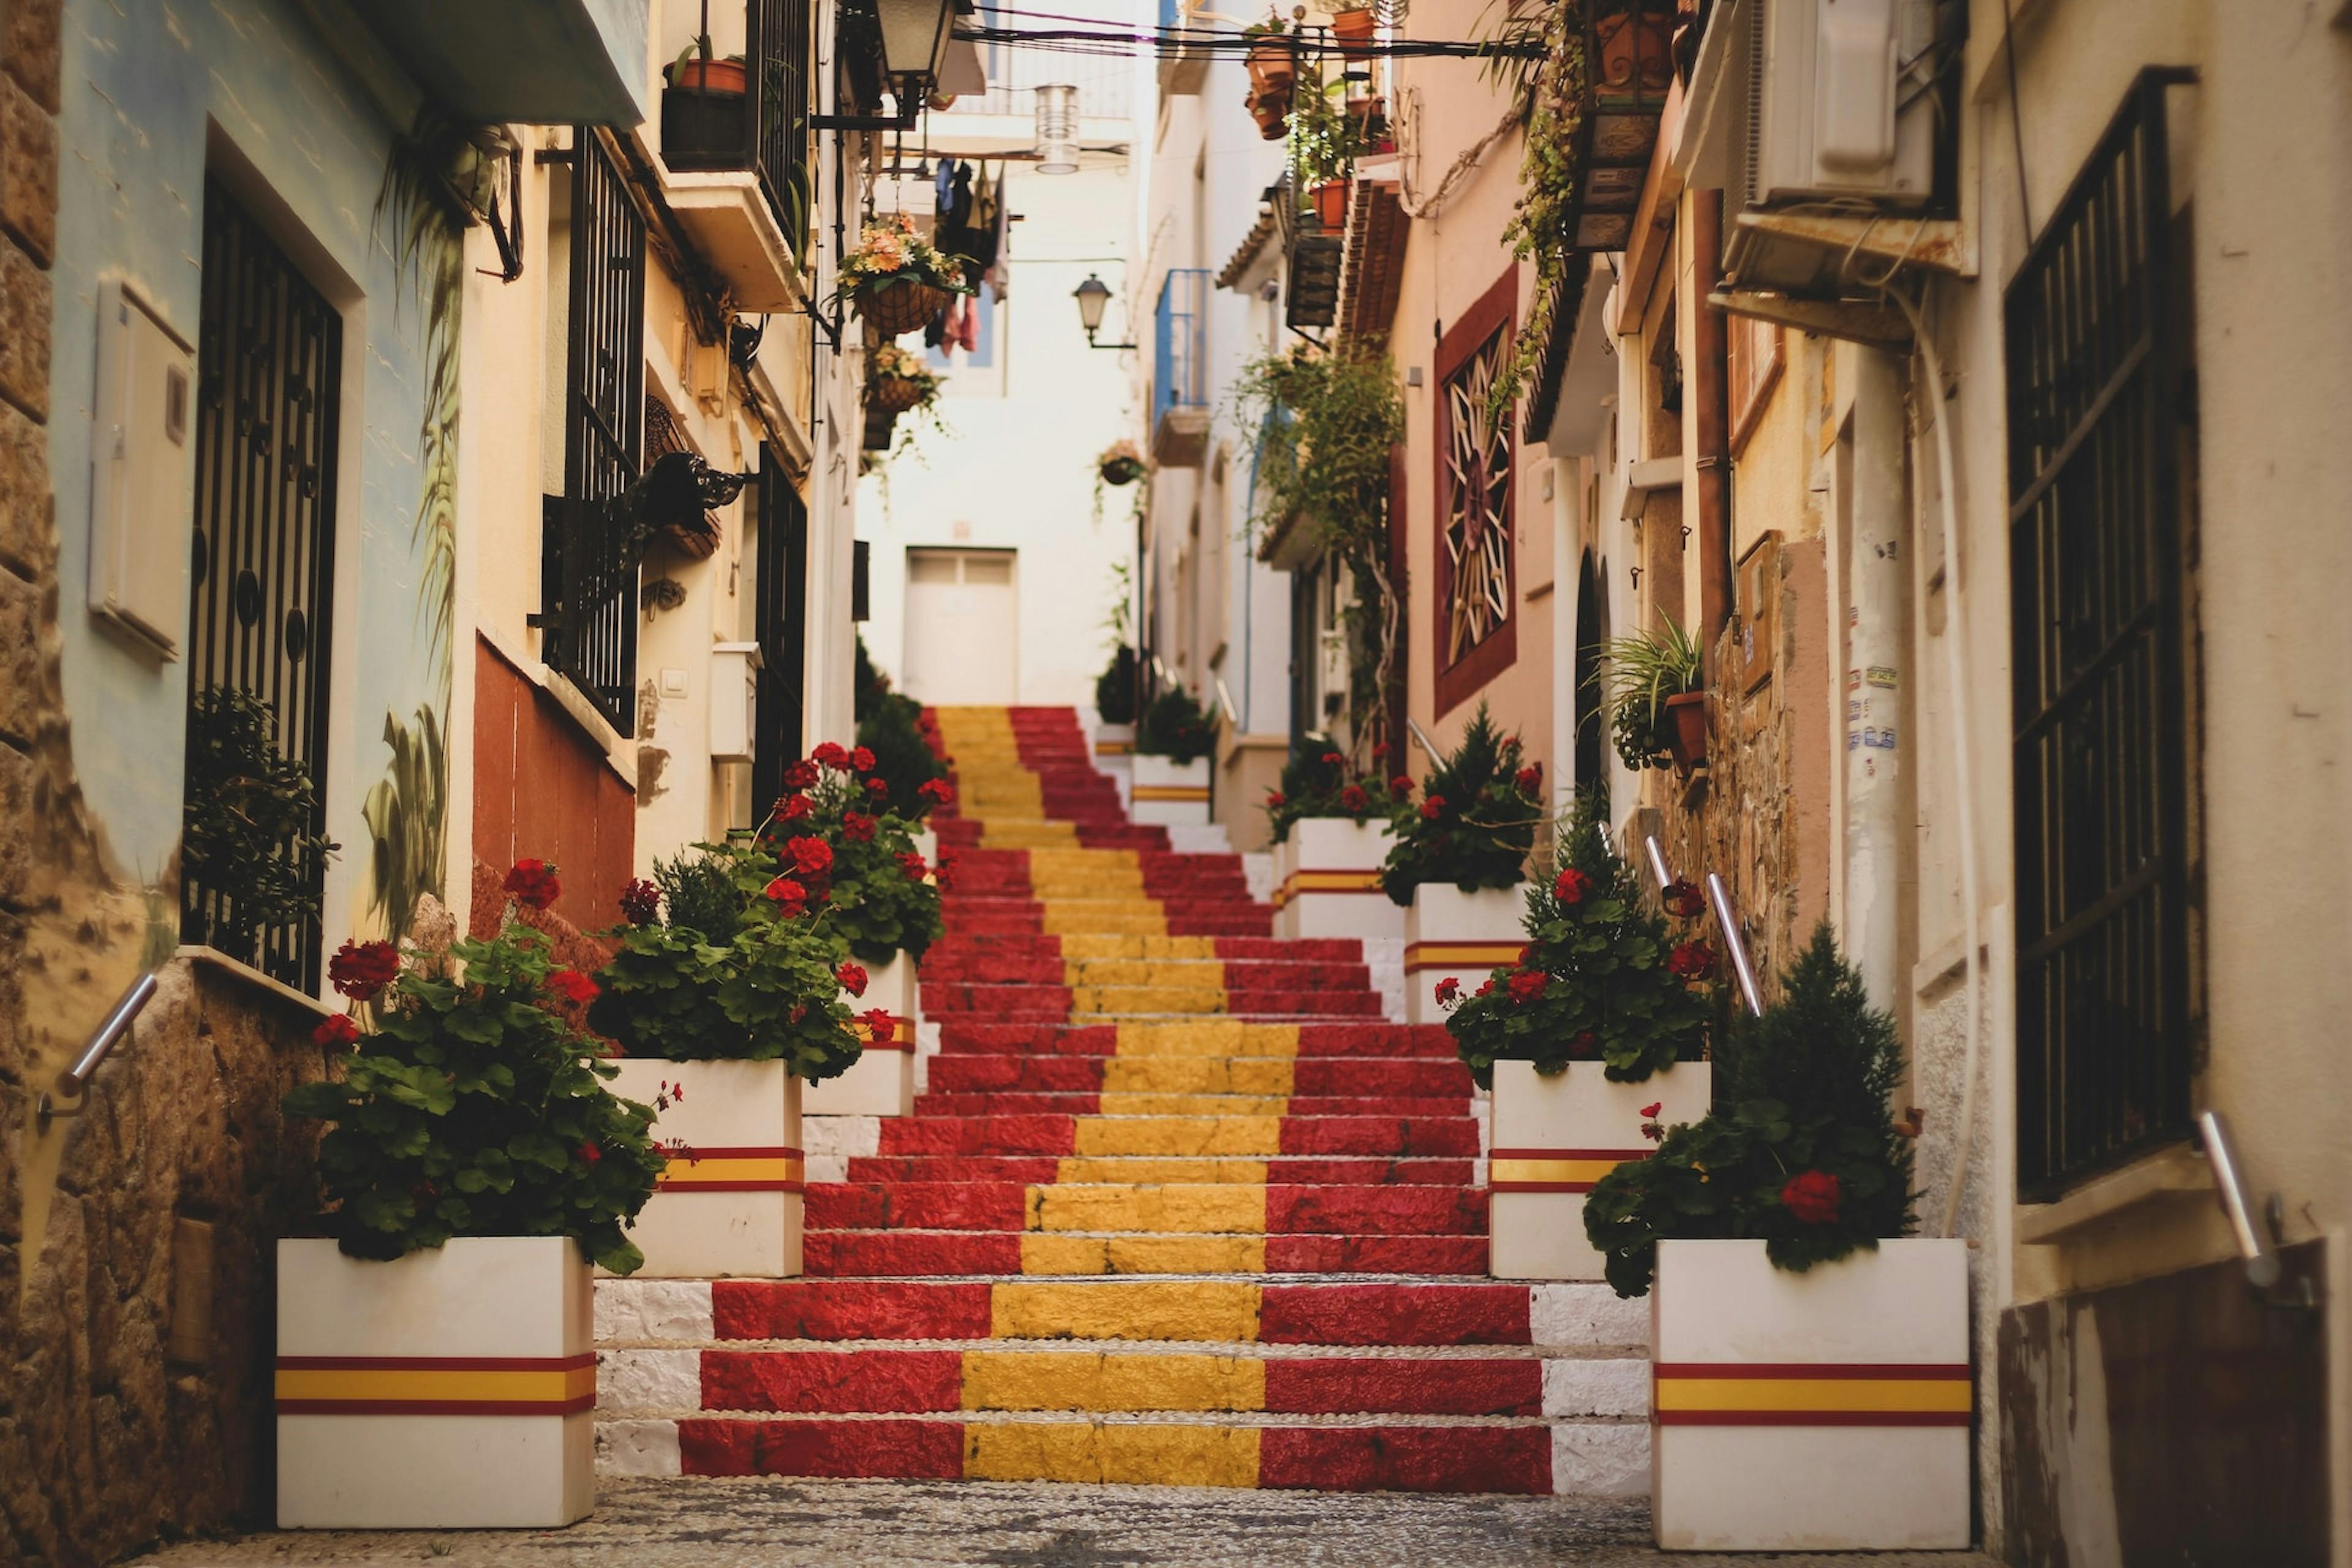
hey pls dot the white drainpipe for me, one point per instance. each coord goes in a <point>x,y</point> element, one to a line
<point>1876,730</point>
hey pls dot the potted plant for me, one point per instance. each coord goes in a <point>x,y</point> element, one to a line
<point>1271,110</point>
<point>1591,1041</point>
<point>895,279</point>
<point>723,994</point>
<point>1354,31</point>
<point>1803,1345</point>
<point>1121,464</point>
<point>1650,683</point>
<point>1171,761</point>
<point>1323,148</point>
<point>880,907</point>
<point>1459,856</point>
<point>1331,830</point>
<point>704,119</point>
<point>1273,59</point>
<point>897,380</point>
<point>435,1363</point>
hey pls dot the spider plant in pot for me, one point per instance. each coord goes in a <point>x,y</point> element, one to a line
<point>1652,684</point>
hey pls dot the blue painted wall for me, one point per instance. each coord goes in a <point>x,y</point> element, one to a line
<point>148,83</point>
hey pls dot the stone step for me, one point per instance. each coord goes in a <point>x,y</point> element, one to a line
<point>932,1254</point>
<point>1034,1168</point>
<point>1182,1135</point>
<point>1155,1209</point>
<point>973,1073</point>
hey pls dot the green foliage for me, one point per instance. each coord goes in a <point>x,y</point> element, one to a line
<point>1323,141</point>
<point>699,890</point>
<point>246,830</point>
<point>764,991</point>
<point>1802,1093</point>
<point>1114,687</point>
<point>1318,782</point>
<point>1609,992</point>
<point>474,1110</point>
<point>867,685</point>
<point>1476,820</point>
<point>1638,672</point>
<point>903,759</point>
<point>1546,73</point>
<point>873,900</point>
<point>1175,727</point>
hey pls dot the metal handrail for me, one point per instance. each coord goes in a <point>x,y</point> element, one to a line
<point>1725,917</point>
<point>74,1082</point>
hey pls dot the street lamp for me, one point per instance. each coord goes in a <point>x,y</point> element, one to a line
<point>1092,295</point>
<point>914,38</point>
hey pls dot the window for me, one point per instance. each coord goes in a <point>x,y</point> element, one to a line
<point>1477,636</point>
<point>1752,355</point>
<point>269,374</point>
<point>589,622</point>
<point>780,623</point>
<point>2096,350</point>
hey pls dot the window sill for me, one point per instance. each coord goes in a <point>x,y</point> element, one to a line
<point>2169,1175</point>
<point>245,974</point>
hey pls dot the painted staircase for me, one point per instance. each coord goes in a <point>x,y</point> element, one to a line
<point>1178,1207</point>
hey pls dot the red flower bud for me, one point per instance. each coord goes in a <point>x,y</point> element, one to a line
<point>1813,1196</point>
<point>340,1030</point>
<point>1448,990</point>
<point>572,985</point>
<point>640,902</point>
<point>1430,805</point>
<point>851,977</point>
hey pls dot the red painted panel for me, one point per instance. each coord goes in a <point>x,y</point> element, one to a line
<point>833,1383</point>
<point>1395,1315</point>
<point>542,790</point>
<point>855,1309</point>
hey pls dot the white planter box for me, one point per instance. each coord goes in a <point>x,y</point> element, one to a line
<point>1826,1411</point>
<point>732,1205</point>
<point>1554,1137</point>
<point>451,1389</point>
<point>1327,880</point>
<point>1113,742</point>
<point>882,1081</point>
<point>1450,932</point>
<point>1170,794</point>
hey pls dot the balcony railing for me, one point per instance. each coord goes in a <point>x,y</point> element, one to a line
<point>710,128</point>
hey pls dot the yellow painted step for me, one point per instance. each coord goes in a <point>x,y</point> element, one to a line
<point>1178,1135</point>
<point>1147,1169</point>
<point>1100,1000</point>
<point>1133,1453</point>
<point>1129,919</point>
<point>1198,1311</point>
<point>1197,1075</point>
<point>1043,1252</point>
<point>1091,1380</point>
<point>1192,1105</point>
<point>1218,1038</point>
<point>1182,948</point>
<point>1224,1208</point>
<point>1190,975</point>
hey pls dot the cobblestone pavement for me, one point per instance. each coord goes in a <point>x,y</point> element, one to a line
<point>885,1524</point>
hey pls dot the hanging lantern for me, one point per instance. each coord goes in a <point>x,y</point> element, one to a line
<point>1057,129</point>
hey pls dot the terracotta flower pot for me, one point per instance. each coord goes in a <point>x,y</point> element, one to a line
<point>1272,114</point>
<point>1273,69</point>
<point>1331,205</point>
<point>895,308</point>
<point>1686,731</point>
<point>1354,31</point>
<point>713,75</point>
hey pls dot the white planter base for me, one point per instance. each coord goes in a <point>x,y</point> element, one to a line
<point>1170,794</point>
<point>1554,1137</point>
<point>368,1439</point>
<point>1326,881</point>
<point>1450,932</point>
<point>732,1207</point>
<point>881,1082</point>
<point>1826,1411</point>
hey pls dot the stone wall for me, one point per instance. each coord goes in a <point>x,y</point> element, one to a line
<point>135,1269</point>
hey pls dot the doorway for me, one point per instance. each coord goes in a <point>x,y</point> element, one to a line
<point>962,627</point>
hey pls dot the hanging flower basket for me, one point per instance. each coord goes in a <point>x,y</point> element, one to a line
<point>1121,464</point>
<point>898,381</point>
<point>1273,67</point>
<point>1272,113</point>
<point>893,393</point>
<point>896,280</point>
<point>1686,731</point>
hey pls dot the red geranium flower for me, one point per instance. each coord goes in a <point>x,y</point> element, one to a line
<point>1401,784</point>
<point>831,755</point>
<point>1448,990</point>
<point>1354,801</point>
<point>857,828</point>
<point>1274,799</point>
<point>1528,956</point>
<point>1431,804</point>
<point>640,901</point>
<point>1334,760</point>
<point>533,882</point>
<point>913,866</point>
<point>862,759</point>
<point>947,870</point>
<point>1813,1196</point>
<point>340,1030</point>
<point>1585,1047</point>
<point>1571,886</point>
<point>1683,899</point>
<point>360,969</point>
<point>1690,960</point>
<point>573,984</point>
<point>790,896</point>
<point>794,808</point>
<point>1528,984</point>
<point>937,790</point>
<point>590,1153</point>
<point>1651,1110</point>
<point>1530,778</point>
<point>877,788</point>
<point>810,856</point>
<point>801,775</point>
<point>1379,748</point>
<point>851,977</point>
<point>879,1025</point>
<point>1486,987</point>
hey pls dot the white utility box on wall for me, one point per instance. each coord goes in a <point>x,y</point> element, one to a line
<point>143,472</point>
<point>734,701</point>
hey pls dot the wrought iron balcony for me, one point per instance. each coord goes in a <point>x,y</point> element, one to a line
<point>735,140</point>
<point>1179,385</point>
<point>521,62</point>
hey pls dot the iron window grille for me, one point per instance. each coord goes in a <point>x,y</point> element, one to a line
<point>1477,636</point>
<point>780,626</point>
<point>588,622</point>
<point>766,130</point>
<point>2097,571</point>
<point>262,559</point>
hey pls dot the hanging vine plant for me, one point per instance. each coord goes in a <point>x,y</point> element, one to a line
<point>1551,88</point>
<point>1328,423</point>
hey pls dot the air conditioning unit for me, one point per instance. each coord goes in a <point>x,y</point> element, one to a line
<point>1839,104</point>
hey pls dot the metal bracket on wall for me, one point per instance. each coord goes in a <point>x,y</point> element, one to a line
<point>2258,1242</point>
